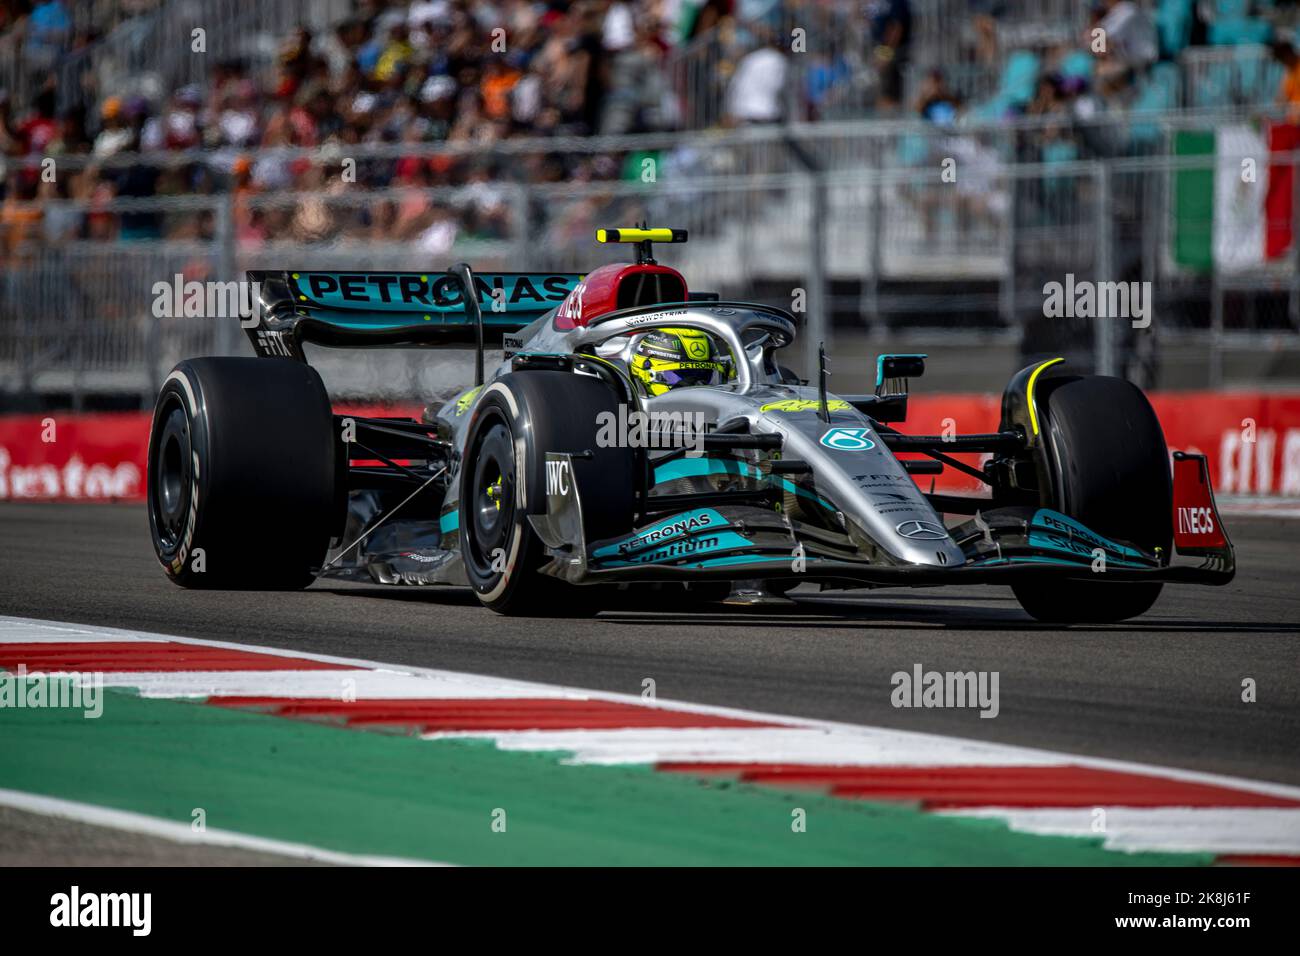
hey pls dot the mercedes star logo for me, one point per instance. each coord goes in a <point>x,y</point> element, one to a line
<point>924,530</point>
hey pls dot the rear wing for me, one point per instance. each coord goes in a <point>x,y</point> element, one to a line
<point>429,309</point>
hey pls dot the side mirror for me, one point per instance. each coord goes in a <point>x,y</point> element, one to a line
<point>893,371</point>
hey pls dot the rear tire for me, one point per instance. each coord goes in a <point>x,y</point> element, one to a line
<point>517,420</point>
<point>241,473</point>
<point>1109,464</point>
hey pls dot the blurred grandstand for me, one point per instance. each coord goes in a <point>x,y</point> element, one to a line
<point>802,144</point>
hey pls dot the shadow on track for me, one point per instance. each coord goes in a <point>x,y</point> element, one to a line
<point>449,596</point>
<point>821,613</point>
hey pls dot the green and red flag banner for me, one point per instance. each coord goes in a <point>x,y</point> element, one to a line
<point>1234,213</point>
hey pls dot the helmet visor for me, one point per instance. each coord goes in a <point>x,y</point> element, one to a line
<point>702,373</point>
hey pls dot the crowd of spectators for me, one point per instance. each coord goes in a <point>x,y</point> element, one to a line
<point>404,72</point>
<point>1122,59</point>
<point>475,73</point>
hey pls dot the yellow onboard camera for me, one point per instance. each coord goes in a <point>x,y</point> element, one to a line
<point>643,237</point>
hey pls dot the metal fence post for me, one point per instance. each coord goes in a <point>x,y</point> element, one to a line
<point>1216,330</point>
<point>26,336</point>
<point>1149,360</point>
<point>874,325</point>
<point>224,235</point>
<point>1007,287</point>
<point>153,351</point>
<point>1104,325</point>
<point>519,227</point>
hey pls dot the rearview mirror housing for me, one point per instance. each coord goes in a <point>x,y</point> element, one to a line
<point>891,367</point>
<point>892,373</point>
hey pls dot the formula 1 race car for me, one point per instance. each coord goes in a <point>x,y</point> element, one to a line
<point>636,436</point>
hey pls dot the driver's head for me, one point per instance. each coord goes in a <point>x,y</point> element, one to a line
<point>665,359</point>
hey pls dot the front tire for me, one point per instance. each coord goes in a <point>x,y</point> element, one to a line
<point>241,488</point>
<point>517,420</point>
<point>1106,453</point>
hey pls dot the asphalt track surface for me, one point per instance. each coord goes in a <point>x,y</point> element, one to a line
<point>1164,689</point>
<point>35,839</point>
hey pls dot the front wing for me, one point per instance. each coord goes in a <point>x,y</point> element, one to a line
<point>1001,546</point>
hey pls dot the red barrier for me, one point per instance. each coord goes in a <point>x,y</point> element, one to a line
<point>1252,441</point>
<point>74,457</point>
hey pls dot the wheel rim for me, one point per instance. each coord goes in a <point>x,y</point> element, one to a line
<point>172,476</point>
<point>491,499</point>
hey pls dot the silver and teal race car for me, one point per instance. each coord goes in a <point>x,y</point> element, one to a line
<point>637,435</point>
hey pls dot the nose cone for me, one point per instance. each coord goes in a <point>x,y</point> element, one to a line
<point>857,471</point>
<point>927,543</point>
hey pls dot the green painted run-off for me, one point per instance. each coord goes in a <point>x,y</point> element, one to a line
<point>391,795</point>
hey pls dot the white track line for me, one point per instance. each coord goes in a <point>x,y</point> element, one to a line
<point>178,832</point>
<point>1235,830</point>
<point>359,684</point>
<point>15,630</point>
<point>867,747</point>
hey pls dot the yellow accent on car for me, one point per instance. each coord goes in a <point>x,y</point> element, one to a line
<point>1029,392</point>
<point>805,405</point>
<point>466,399</point>
<point>640,235</point>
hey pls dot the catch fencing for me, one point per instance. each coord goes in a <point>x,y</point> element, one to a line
<point>870,255</point>
<point>149,53</point>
